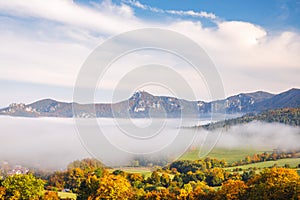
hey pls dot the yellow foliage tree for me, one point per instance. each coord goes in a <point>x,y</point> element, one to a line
<point>216,176</point>
<point>201,191</point>
<point>275,183</point>
<point>232,189</point>
<point>50,195</point>
<point>88,188</point>
<point>114,187</point>
<point>74,177</point>
<point>163,194</point>
<point>2,192</point>
<point>23,187</point>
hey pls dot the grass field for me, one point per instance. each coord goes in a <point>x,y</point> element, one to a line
<point>145,171</point>
<point>229,155</point>
<point>293,162</point>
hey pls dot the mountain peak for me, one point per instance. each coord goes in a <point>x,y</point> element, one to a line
<point>294,90</point>
<point>141,94</point>
<point>287,99</point>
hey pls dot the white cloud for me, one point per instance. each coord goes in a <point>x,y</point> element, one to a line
<point>30,60</point>
<point>242,44</point>
<point>66,11</point>
<point>247,56</point>
<point>190,13</point>
<point>138,5</point>
<point>46,42</point>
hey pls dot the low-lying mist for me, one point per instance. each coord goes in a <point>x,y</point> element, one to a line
<point>49,143</point>
<point>257,135</point>
<point>52,143</point>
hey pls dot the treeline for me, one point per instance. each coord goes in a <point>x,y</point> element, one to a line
<point>187,180</point>
<point>289,116</point>
<point>266,156</point>
<point>142,161</point>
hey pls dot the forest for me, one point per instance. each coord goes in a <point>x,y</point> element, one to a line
<point>200,179</point>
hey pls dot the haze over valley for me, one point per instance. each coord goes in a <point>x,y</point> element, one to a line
<point>52,143</point>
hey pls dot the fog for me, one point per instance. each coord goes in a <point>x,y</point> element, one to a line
<point>52,143</point>
<point>261,135</point>
<point>256,135</point>
<point>44,142</point>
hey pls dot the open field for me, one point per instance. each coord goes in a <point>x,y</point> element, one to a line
<point>293,162</point>
<point>145,171</point>
<point>229,155</point>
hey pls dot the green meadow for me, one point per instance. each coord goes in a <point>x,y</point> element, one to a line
<point>229,155</point>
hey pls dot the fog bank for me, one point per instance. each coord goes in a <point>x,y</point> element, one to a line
<point>52,143</point>
<point>40,142</point>
<point>257,135</point>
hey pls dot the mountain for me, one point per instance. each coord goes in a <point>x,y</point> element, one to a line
<point>244,102</point>
<point>289,116</point>
<point>143,104</point>
<point>288,99</point>
<point>45,107</point>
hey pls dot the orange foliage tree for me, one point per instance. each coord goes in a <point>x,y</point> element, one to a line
<point>50,195</point>
<point>232,189</point>
<point>114,187</point>
<point>275,183</point>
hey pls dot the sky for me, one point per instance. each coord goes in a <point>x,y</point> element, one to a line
<point>254,44</point>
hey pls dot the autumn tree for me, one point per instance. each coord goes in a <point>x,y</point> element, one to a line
<point>275,183</point>
<point>163,194</point>
<point>87,164</point>
<point>136,180</point>
<point>57,180</point>
<point>215,177</point>
<point>119,172</point>
<point>165,180</point>
<point>89,188</point>
<point>2,192</point>
<point>50,195</point>
<point>177,180</point>
<point>232,189</point>
<point>73,179</point>
<point>247,175</point>
<point>114,187</point>
<point>154,179</point>
<point>23,187</point>
<point>201,191</point>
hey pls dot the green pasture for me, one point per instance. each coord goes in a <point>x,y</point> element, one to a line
<point>293,162</point>
<point>144,171</point>
<point>229,155</point>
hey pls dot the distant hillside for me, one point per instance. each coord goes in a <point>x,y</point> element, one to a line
<point>288,99</point>
<point>289,116</point>
<point>142,104</point>
<point>244,102</point>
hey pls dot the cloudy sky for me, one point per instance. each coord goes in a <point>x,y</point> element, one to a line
<point>255,45</point>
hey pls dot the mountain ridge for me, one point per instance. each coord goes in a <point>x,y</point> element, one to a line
<point>288,116</point>
<point>143,104</point>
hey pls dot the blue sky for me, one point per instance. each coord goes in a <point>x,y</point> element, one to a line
<point>273,15</point>
<point>254,44</point>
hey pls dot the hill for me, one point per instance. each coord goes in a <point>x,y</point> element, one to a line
<point>143,104</point>
<point>289,116</point>
<point>288,99</point>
